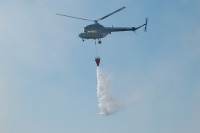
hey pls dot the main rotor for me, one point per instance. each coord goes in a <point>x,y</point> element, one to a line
<point>95,21</point>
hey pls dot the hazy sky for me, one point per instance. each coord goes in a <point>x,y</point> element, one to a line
<point>48,75</point>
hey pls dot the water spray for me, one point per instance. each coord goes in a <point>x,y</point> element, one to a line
<point>106,103</point>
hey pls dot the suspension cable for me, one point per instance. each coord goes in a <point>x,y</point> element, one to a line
<point>96,50</point>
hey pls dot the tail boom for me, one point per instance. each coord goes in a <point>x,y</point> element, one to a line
<point>119,29</point>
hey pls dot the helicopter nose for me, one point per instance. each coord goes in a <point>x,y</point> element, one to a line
<point>81,35</point>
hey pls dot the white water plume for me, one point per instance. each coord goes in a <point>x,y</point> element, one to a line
<point>107,104</point>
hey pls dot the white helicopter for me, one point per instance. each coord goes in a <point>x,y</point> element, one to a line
<point>98,31</point>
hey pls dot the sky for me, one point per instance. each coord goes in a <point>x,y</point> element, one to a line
<point>48,80</point>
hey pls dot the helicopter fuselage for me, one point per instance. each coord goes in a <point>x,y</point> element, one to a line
<point>94,31</point>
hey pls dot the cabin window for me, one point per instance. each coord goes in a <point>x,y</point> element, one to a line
<point>92,31</point>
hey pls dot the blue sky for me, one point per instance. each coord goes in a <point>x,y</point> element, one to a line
<point>48,75</point>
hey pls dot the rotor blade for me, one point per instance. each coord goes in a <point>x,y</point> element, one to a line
<point>111,13</point>
<point>74,17</point>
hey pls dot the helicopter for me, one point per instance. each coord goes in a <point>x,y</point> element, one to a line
<point>98,31</point>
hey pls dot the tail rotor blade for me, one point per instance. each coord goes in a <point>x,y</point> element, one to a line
<point>135,32</point>
<point>145,28</point>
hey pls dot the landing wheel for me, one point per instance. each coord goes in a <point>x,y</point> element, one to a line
<point>83,40</point>
<point>99,42</point>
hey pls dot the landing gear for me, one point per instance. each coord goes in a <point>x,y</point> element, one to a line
<point>83,40</point>
<point>99,42</point>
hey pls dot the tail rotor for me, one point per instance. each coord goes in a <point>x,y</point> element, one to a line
<point>145,28</point>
